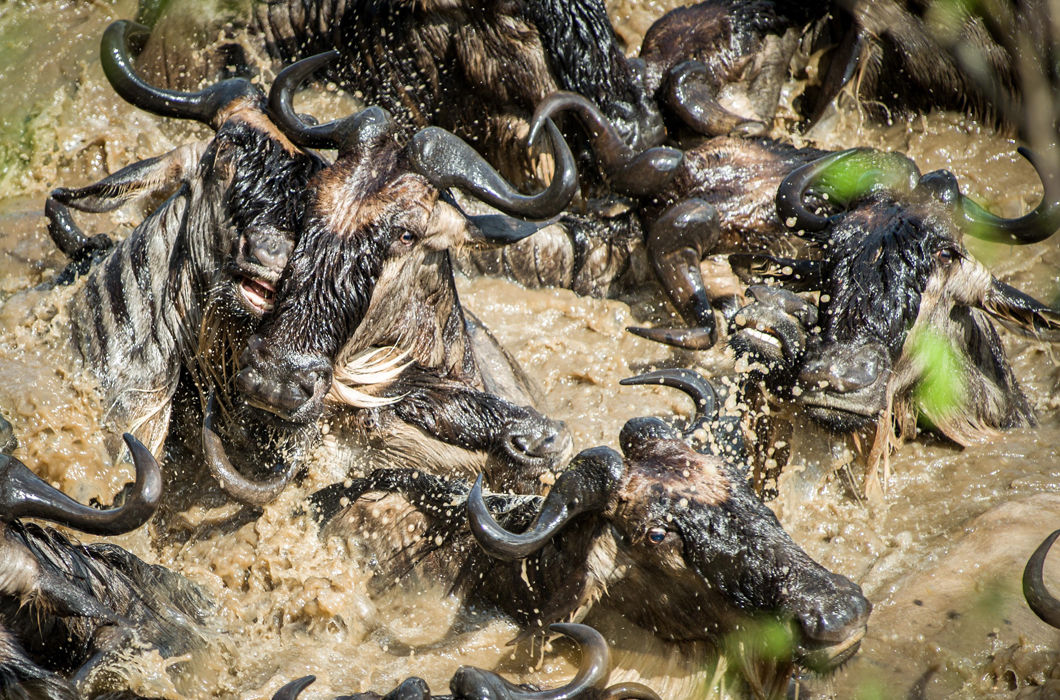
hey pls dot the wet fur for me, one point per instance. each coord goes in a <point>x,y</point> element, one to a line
<point>83,602</point>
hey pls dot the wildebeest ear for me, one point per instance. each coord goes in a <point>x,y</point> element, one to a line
<point>498,229</point>
<point>799,275</point>
<point>159,174</point>
<point>485,230</point>
<point>1021,312</point>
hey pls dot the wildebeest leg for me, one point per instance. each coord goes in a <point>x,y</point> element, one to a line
<point>677,241</point>
<point>692,95</point>
<point>475,420</point>
<point>21,678</point>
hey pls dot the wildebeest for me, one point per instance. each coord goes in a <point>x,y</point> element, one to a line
<point>70,612</point>
<point>902,307</point>
<point>168,309</point>
<point>471,683</point>
<point>720,65</point>
<point>673,539</point>
<point>371,272</point>
<point>475,68</point>
<point>718,199</point>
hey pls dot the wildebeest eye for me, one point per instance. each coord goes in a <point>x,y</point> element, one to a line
<point>656,535</point>
<point>407,237</point>
<point>946,255</point>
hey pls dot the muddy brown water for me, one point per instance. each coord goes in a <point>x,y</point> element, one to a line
<point>940,557</point>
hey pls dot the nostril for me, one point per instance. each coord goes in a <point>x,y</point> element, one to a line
<point>835,619</point>
<point>309,380</point>
<point>521,443</point>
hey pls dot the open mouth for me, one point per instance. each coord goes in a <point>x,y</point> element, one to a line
<point>762,337</point>
<point>258,294</point>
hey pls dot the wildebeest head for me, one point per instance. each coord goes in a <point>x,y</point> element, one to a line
<point>242,182</point>
<point>902,302</point>
<point>681,544</point>
<point>371,267</point>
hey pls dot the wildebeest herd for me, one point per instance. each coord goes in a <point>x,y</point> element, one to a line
<point>278,297</point>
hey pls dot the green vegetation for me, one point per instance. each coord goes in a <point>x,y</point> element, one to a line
<point>942,391</point>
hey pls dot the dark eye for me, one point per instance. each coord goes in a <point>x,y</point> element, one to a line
<point>946,255</point>
<point>407,237</point>
<point>656,535</point>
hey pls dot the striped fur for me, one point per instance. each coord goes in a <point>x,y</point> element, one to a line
<point>173,286</point>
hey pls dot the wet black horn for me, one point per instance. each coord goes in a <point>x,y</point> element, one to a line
<point>882,171</point>
<point>244,490</point>
<point>1044,605</point>
<point>628,691</point>
<point>586,486</point>
<point>342,133</point>
<point>448,161</point>
<point>692,383</point>
<point>1033,227</point>
<point>632,173</point>
<point>23,494</point>
<point>291,690</point>
<point>471,682</point>
<point>204,105</point>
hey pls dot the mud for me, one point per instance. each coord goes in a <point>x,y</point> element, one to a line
<point>940,557</point>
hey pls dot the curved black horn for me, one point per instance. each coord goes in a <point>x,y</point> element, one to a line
<point>636,174</point>
<point>586,486</point>
<point>692,383</point>
<point>23,494</point>
<point>448,161</point>
<point>1044,605</point>
<point>290,691</point>
<point>255,493</point>
<point>885,171</point>
<point>203,106</point>
<point>341,133</point>
<point>471,682</point>
<point>628,691</point>
<point>1032,227</point>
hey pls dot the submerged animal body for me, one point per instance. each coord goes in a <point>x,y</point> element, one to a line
<point>717,199</point>
<point>673,539</point>
<point>69,613</point>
